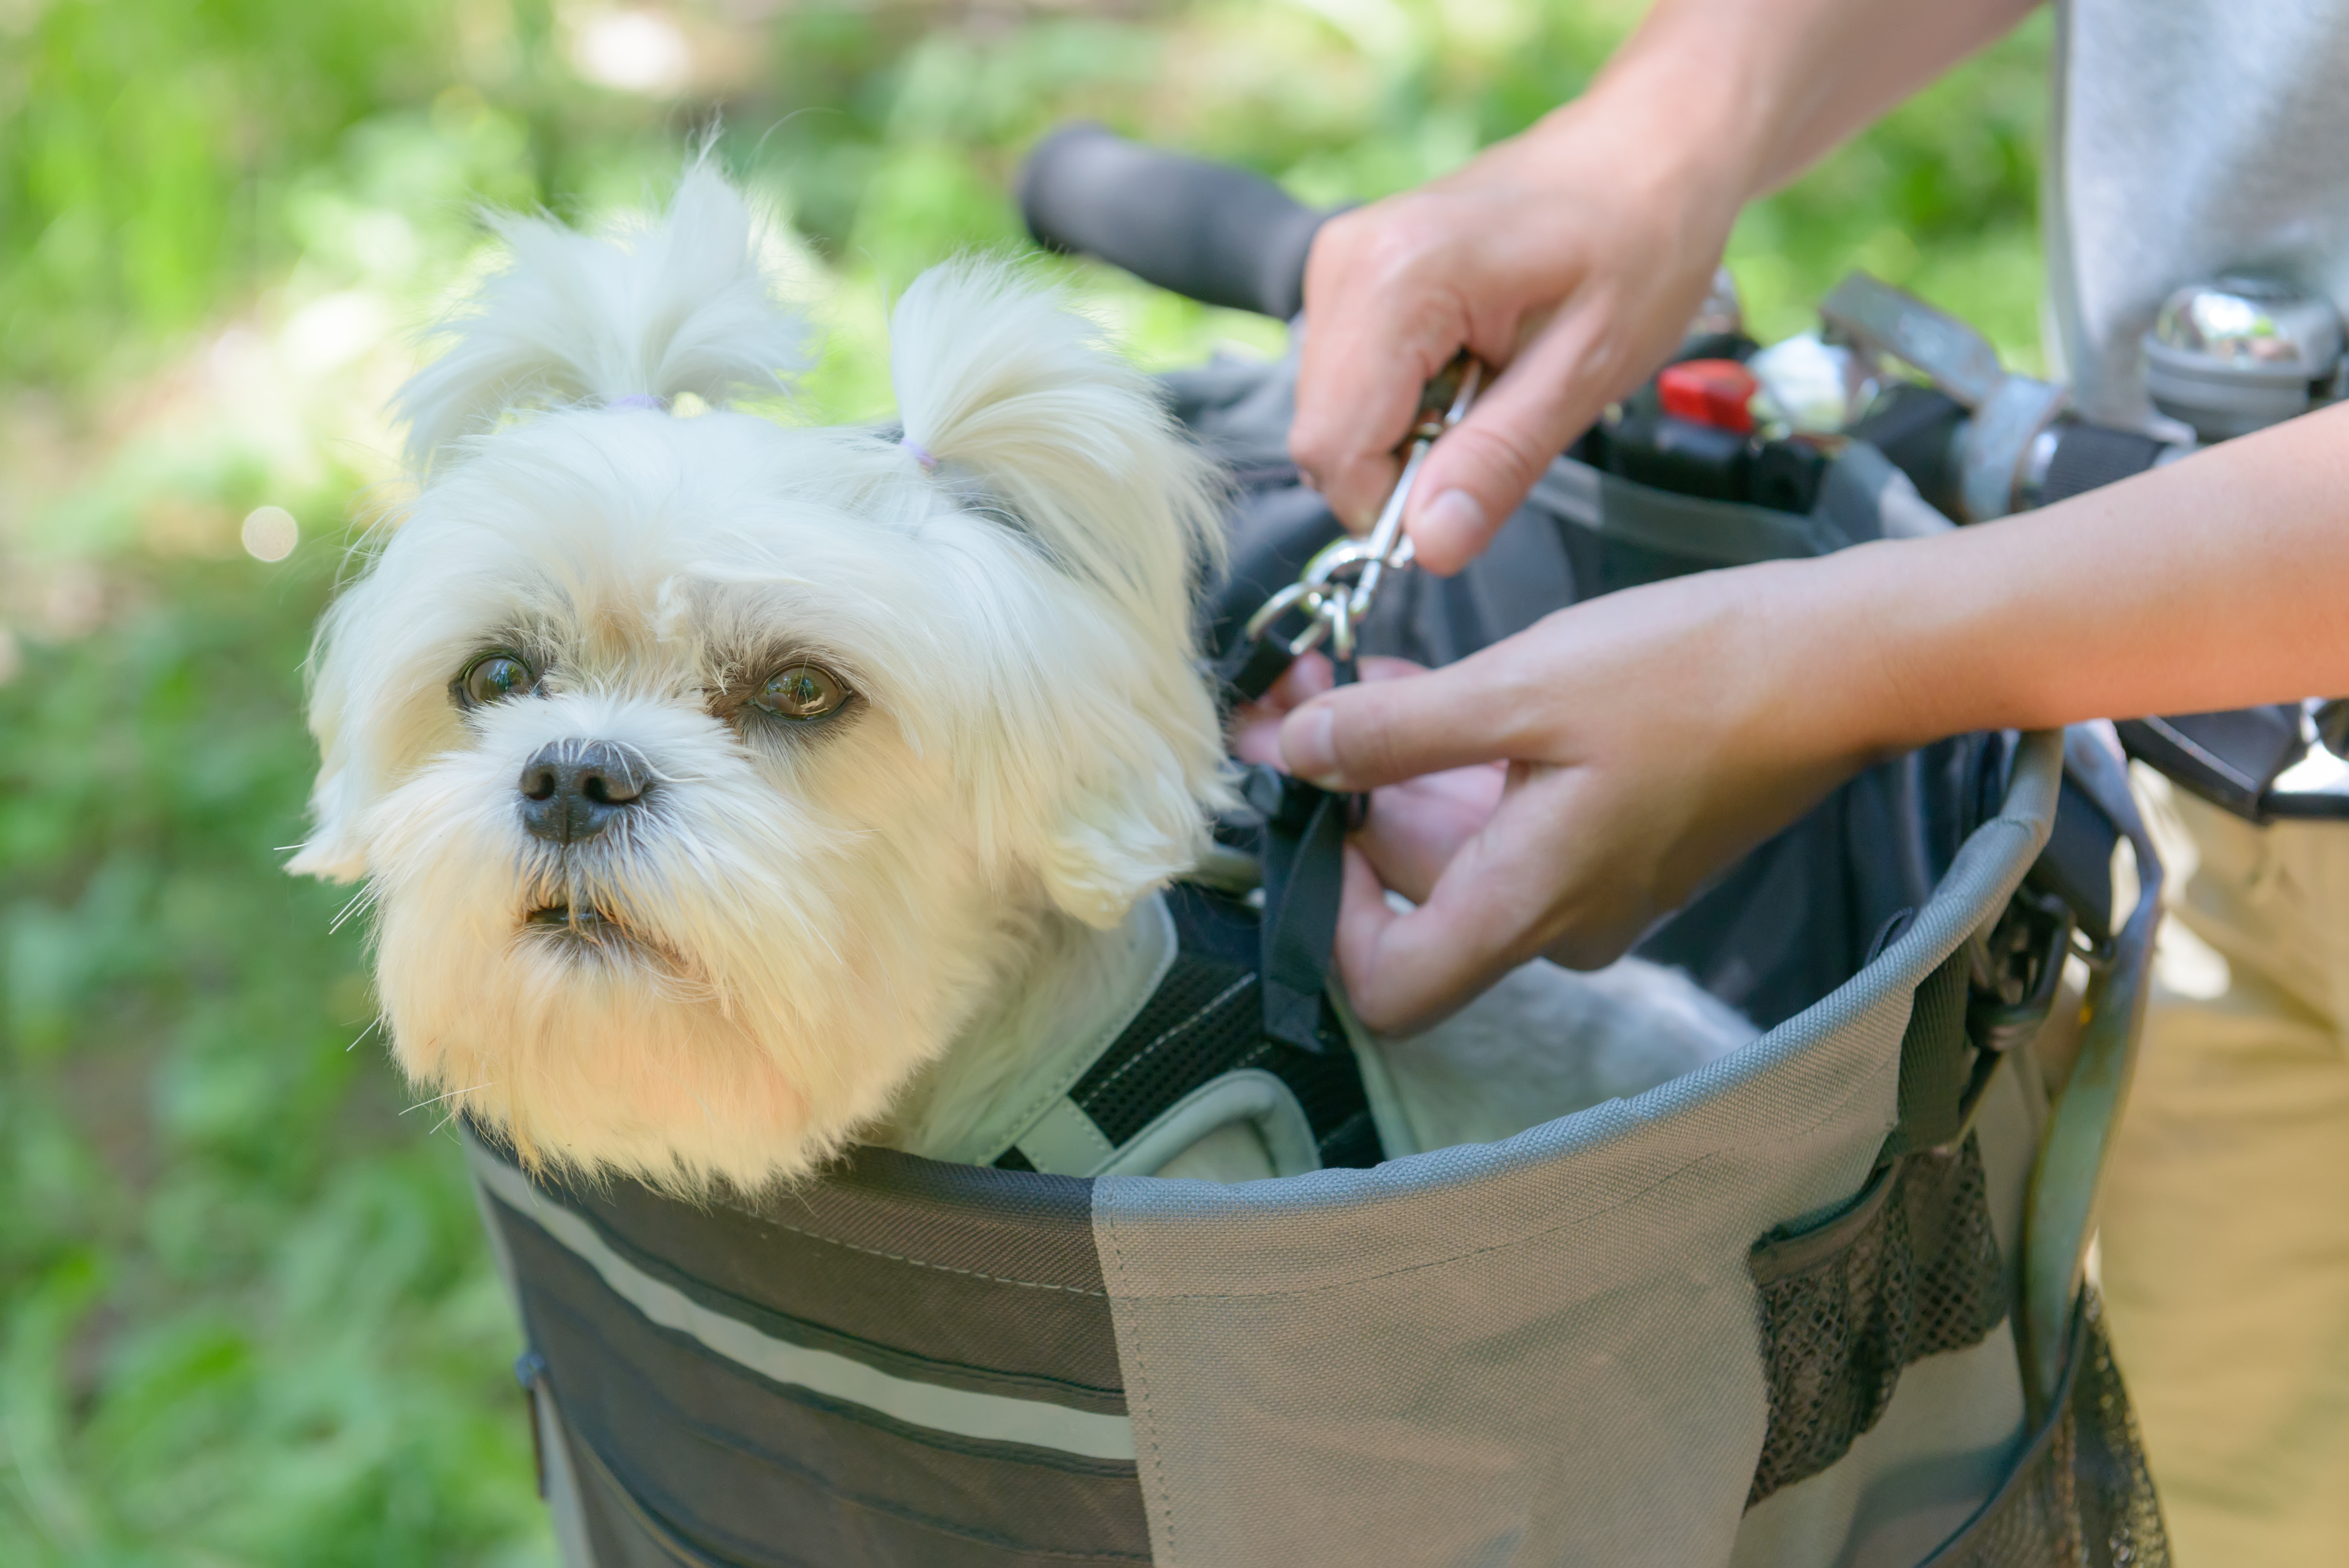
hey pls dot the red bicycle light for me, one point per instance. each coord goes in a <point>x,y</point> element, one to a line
<point>1716,393</point>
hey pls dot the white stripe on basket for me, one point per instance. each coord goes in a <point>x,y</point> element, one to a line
<point>993,1417</point>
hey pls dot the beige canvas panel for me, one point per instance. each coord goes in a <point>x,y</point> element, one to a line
<point>1541,1351</point>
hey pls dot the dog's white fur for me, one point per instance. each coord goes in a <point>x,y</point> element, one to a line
<point>807,916</point>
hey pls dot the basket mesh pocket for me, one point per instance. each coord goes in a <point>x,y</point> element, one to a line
<point>2081,1497</point>
<point>1910,1269</point>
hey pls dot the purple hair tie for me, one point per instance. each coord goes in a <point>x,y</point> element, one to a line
<point>920,453</point>
<point>636,400</point>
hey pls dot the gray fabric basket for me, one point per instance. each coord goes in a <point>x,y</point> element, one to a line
<point>1547,1350</point>
<point>1796,1308</point>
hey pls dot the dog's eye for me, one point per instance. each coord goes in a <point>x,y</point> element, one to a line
<point>802,691</point>
<point>493,678</point>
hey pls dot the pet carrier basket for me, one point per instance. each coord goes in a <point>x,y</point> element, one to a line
<point>1821,1302</point>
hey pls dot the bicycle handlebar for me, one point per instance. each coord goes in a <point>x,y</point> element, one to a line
<point>1218,234</point>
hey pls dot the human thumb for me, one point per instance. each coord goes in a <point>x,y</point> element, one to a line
<point>1480,470</point>
<point>1380,733</point>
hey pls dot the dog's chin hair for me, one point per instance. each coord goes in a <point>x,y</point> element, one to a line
<point>606,1060</point>
<point>663,973</point>
<point>591,936</point>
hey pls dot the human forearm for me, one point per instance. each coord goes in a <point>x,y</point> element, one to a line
<point>1653,734</point>
<point>2217,582</point>
<point>1766,89</point>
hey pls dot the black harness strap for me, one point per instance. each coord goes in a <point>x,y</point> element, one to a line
<point>1205,1020</point>
<point>1248,669</point>
<point>1304,882</point>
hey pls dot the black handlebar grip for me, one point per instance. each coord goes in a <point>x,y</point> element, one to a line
<point>1219,234</point>
<point>2088,457</point>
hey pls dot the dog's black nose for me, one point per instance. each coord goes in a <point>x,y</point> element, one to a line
<point>572,790</point>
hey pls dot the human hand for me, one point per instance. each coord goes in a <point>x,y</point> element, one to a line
<point>1571,258</point>
<point>1649,736</point>
<point>1415,825</point>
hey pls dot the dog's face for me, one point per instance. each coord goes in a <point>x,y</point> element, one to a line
<point>706,774</point>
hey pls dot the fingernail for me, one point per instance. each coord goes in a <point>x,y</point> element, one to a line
<point>1307,743</point>
<point>1454,514</point>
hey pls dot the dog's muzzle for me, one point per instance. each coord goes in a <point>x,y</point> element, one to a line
<point>574,790</point>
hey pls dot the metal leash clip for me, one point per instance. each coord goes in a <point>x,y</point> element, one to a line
<point>1339,585</point>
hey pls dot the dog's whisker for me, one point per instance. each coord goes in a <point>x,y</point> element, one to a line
<point>361,900</point>
<point>435,1099</point>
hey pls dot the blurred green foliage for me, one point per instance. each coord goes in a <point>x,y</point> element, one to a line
<point>245,1314</point>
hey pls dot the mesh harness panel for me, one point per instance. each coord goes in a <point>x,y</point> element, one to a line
<point>1206,1019</point>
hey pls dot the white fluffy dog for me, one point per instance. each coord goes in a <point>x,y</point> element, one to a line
<point>726,791</point>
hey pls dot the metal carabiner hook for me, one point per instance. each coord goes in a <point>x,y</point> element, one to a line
<point>1339,585</point>
<point>1465,378</point>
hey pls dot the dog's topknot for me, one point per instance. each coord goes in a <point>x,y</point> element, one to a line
<point>998,376</point>
<point>680,305</point>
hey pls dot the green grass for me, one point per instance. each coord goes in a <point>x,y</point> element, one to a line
<point>246,1316</point>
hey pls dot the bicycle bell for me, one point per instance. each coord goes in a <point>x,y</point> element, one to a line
<point>2240,353</point>
<point>1814,386</point>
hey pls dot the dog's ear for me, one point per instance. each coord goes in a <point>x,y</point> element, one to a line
<point>1001,387</point>
<point>1131,827</point>
<point>998,377</point>
<point>679,305</point>
<point>334,851</point>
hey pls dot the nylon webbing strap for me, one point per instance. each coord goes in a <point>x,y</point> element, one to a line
<point>1248,669</point>
<point>1304,881</point>
<point>1933,1074</point>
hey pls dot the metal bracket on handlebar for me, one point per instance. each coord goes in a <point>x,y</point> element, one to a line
<point>1997,440</point>
<point>1339,584</point>
<point>2009,411</point>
